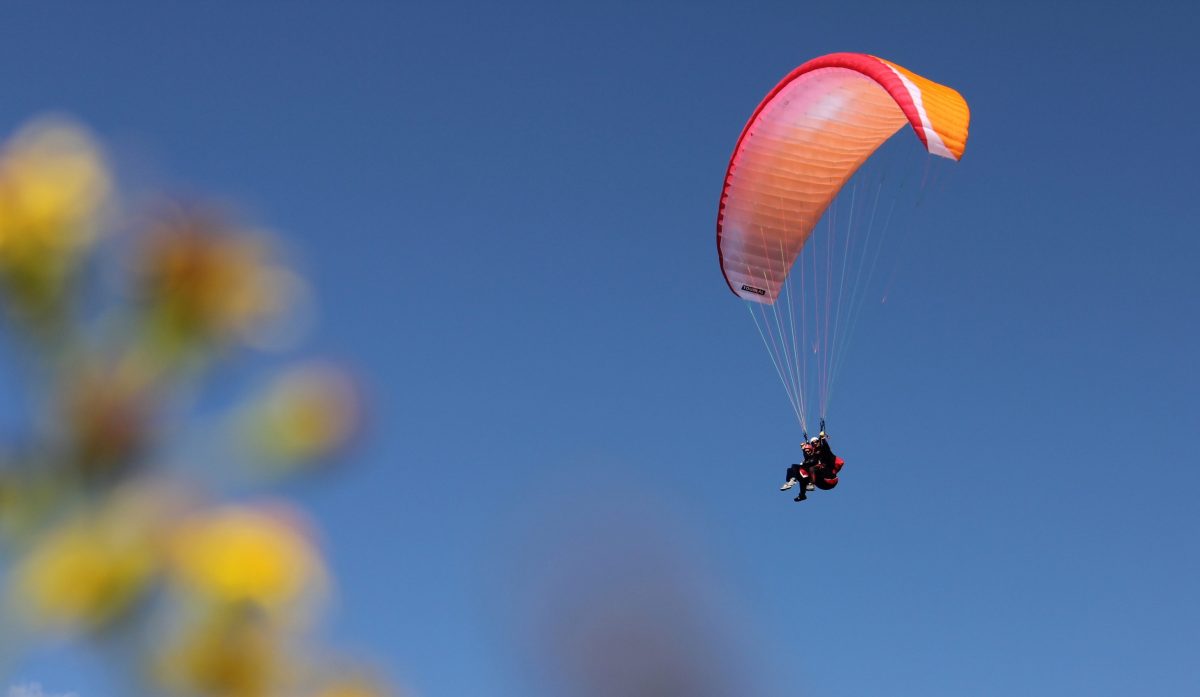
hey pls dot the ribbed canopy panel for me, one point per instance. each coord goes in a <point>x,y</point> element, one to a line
<point>804,142</point>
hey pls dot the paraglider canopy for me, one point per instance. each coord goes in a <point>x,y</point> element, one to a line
<point>801,145</point>
<point>798,151</point>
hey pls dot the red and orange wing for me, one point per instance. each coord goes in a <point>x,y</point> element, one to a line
<point>801,145</point>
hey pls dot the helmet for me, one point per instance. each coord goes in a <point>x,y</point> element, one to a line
<point>814,441</point>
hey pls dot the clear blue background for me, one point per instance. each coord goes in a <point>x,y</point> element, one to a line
<point>507,210</point>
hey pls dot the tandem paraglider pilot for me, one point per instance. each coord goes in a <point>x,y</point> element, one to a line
<point>818,471</point>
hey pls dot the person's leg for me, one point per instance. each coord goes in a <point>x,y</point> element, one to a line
<point>804,478</point>
<point>790,479</point>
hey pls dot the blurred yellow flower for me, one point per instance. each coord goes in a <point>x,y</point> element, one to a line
<point>241,554</point>
<point>205,280</point>
<point>232,652</point>
<point>305,414</point>
<point>53,183</point>
<point>87,571</point>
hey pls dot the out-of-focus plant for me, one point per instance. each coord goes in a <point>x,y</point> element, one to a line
<point>53,189</point>
<point>112,523</point>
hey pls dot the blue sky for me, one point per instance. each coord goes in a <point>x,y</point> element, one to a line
<point>508,210</point>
